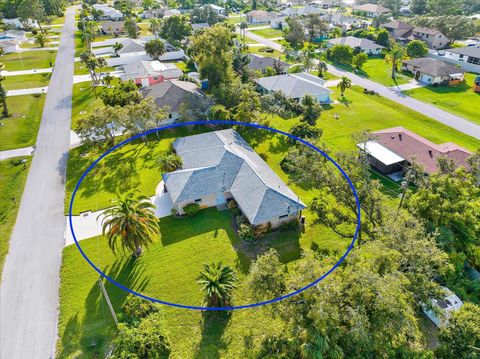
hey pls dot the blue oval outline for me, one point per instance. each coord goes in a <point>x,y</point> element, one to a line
<point>216,122</point>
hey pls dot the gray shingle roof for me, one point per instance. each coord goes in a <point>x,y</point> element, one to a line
<point>220,161</point>
<point>172,93</point>
<point>258,62</point>
<point>353,42</point>
<point>294,85</point>
<point>434,67</point>
<point>473,51</point>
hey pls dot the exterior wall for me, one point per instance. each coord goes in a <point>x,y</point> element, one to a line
<point>172,55</point>
<point>464,65</point>
<point>471,60</point>
<point>437,41</point>
<point>373,51</point>
<point>276,222</point>
<point>207,201</point>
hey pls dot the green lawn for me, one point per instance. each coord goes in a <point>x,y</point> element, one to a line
<point>20,130</point>
<point>375,112</point>
<point>261,51</point>
<point>376,69</point>
<point>236,20</point>
<point>28,60</point>
<point>26,81</point>
<point>459,100</point>
<point>12,180</point>
<point>168,269</point>
<point>268,33</point>
<point>80,69</point>
<point>326,75</point>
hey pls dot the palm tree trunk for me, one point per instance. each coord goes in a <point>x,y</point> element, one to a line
<point>393,70</point>
<point>3,98</point>
<point>138,251</point>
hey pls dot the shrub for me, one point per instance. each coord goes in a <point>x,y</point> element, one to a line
<point>174,211</point>
<point>191,209</point>
<point>136,308</point>
<point>289,226</point>
<point>245,232</point>
<point>241,219</point>
<point>261,231</point>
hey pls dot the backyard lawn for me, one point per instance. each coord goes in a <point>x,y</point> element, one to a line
<point>459,100</point>
<point>233,20</point>
<point>269,33</point>
<point>168,269</point>
<point>12,180</point>
<point>80,69</point>
<point>20,130</point>
<point>262,50</point>
<point>28,60</point>
<point>26,81</point>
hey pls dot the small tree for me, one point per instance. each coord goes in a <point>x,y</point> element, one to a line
<point>342,54</point>
<point>305,131</point>
<point>359,60</point>
<point>417,48</point>
<point>131,28</point>
<point>155,48</point>
<point>155,27</point>
<point>312,110</point>
<point>383,38</point>
<point>344,84</point>
<point>117,47</point>
<point>169,162</point>
<point>92,63</point>
<point>191,209</point>
<point>3,93</point>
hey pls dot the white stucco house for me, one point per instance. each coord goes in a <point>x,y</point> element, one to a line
<point>365,45</point>
<point>431,71</point>
<point>468,54</point>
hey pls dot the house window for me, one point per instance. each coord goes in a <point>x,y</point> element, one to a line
<point>284,216</point>
<point>198,200</point>
<point>461,56</point>
<point>155,77</point>
<point>169,115</point>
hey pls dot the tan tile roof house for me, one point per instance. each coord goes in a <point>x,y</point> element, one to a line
<point>431,71</point>
<point>372,10</point>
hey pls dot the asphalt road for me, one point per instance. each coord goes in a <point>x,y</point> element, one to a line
<point>30,280</point>
<point>434,112</point>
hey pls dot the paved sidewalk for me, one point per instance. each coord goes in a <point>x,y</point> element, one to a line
<point>84,78</point>
<point>26,72</point>
<point>30,91</point>
<point>332,83</point>
<point>18,152</point>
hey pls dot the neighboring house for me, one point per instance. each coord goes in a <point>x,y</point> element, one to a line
<point>173,94</point>
<point>220,165</point>
<point>326,4</point>
<point>260,16</point>
<point>199,26</point>
<point>280,22</point>
<point>148,73</point>
<point>13,35</point>
<point>468,54</point>
<point>431,71</point>
<point>136,47</point>
<point>365,45</point>
<point>153,13</point>
<point>261,63</point>
<point>10,46</point>
<point>394,148</point>
<point>371,10</point>
<point>441,309</point>
<point>109,13</point>
<point>115,28</point>
<point>343,21</point>
<point>432,37</point>
<point>218,9</point>
<point>20,24</point>
<point>398,29</point>
<point>172,12</point>
<point>296,86</point>
<point>301,11</point>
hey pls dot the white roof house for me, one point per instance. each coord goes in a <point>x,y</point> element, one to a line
<point>443,308</point>
<point>366,45</point>
<point>143,69</point>
<point>296,86</point>
<point>109,13</point>
<point>10,46</point>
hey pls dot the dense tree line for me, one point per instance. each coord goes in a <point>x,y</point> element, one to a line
<point>17,8</point>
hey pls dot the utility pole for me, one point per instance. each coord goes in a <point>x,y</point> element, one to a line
<point>107,299</point>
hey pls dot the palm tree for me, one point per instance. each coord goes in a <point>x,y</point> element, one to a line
<point>117,47</point>
<point>322,67</point>
<point>41,39</point>
<point>396,55</point>
<point>155,27</point>
<point>218,282</point>
<point>344,84</point>
<point>170,162</point>
<point>130,223</point>
<point>87,36</point>
<point>107,79</point>
<point>307,61</point>
<point>3,93</point>
<point>243,30</point>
